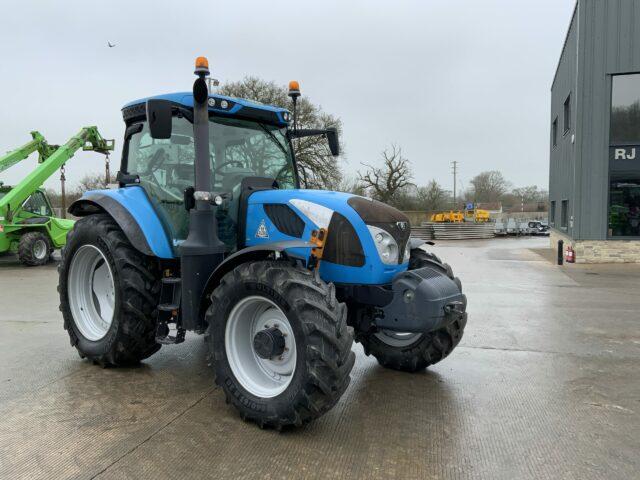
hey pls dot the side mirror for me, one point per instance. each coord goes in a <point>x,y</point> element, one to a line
<point>331,133</point>
<point>332,138</point>
<point>159,118</point>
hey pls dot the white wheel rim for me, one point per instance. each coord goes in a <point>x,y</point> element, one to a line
<point>264,378</point>
<point>91,292</point>
<point>40,249</point>
<point>397,339</point>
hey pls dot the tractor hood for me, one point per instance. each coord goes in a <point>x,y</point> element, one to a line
<point>354,224</point>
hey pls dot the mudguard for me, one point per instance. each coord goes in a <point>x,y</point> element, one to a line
<point>258,252</point>
<point>132,210</point>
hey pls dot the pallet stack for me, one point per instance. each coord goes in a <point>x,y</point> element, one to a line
<point>453,231</point>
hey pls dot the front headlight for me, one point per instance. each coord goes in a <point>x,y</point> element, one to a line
<point>385,244</point>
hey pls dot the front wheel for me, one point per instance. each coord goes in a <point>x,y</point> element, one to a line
<point>412,352</point>
<point>280,344</point>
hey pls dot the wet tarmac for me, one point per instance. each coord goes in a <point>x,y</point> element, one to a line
<point>545,385</point>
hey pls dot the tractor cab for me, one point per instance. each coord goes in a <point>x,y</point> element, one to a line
<point>246,140</point>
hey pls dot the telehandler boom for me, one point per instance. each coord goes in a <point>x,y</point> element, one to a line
<point>27,223</point>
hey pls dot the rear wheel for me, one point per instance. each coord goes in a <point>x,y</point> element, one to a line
<point>411,352</point>
<point>108,294</point>
<point>34,249</point>
<point>280,345</point>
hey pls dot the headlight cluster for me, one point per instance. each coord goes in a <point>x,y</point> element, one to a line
<point>385,244</point>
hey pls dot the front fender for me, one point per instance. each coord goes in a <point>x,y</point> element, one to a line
<point>132,210</point>
<point>256,253</point>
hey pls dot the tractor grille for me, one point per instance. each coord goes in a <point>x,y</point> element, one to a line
<point>343,245</point>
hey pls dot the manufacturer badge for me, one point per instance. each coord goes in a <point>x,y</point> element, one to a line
<point>262,231</point>
<point>402,225</point>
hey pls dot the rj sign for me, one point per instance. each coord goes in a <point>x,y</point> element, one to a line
<point>624,153</point>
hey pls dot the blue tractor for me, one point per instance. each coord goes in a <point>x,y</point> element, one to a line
<point>210,232</point>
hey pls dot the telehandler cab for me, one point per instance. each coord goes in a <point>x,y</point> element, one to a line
<point>210,232</point>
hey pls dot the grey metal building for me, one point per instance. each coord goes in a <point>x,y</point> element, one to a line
<point>594,178</point>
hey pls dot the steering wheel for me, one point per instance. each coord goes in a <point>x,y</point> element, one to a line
<point>217,169</point>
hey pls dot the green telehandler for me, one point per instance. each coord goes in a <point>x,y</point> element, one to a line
<point>27,222</point>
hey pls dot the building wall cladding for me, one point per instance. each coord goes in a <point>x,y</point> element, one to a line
<point>609,43</point>
<point>603,40</point>
<point>562,156</point>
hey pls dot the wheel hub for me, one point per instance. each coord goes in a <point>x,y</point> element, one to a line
<point>260,346</point>
<point>269,343</point>
<point>91,291</point>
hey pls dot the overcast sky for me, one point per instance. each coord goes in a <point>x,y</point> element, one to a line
<point>464,80</point>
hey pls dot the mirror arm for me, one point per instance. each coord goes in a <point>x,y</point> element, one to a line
<point>307,132</point>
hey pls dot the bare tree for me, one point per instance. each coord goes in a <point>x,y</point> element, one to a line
<point>347,184</point>
<point>488,187</point>
<point>384,182</point>
<point>316,166</point>
<point>432,196</point>
<point>530,194</point>
<point>92,181</point>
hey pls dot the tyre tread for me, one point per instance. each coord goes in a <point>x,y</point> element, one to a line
<point>328,354</point>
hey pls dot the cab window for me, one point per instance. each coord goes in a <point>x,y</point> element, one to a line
<point>38,205</point>
<point>238,149</point>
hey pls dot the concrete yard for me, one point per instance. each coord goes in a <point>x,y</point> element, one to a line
<point>545,385</point>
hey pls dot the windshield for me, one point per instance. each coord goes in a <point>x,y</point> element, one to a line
<point>238,149</point>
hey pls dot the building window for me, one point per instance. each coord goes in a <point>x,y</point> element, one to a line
<point>552,213</point>
<point>624,208</point>
<point>564,214</point>
<point>625,110</point>
<point>567,114</point>
<point>624,167</point>
<point>554,132</point>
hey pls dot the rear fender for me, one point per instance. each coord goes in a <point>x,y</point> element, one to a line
<point>132,210</point>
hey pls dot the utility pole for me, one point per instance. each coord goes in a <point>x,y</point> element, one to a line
<point>454,165</point>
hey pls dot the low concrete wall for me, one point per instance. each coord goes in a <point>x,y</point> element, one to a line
<point>599,251</point>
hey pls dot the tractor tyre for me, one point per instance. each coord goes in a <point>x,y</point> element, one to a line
<point>109,292</point>
<point>34,248</point>
<point>279,343</point>
<point>412,352</point>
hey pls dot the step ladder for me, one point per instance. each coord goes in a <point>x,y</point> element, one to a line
<point>167,331</point>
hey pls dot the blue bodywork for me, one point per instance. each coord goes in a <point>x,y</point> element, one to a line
<point>135,200</point>
<point>373,272</point>
<point>186,100</point>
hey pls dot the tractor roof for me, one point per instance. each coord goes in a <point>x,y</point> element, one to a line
<point>233,107</point>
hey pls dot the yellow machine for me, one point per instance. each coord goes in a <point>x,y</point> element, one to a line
<point>472,215</point>
<point>477,215</point>
<point>448,217</point>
